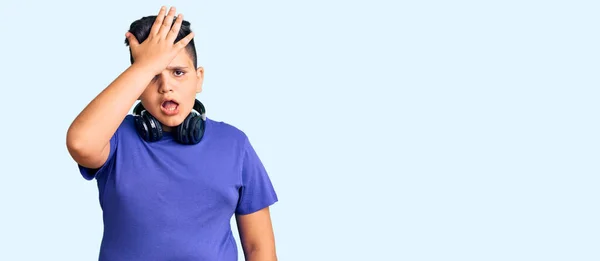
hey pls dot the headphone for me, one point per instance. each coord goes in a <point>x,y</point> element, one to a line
<point>190,131</point>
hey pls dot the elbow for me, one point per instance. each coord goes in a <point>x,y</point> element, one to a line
<point>77,148</point>
<point>83,152</point>
<point>76,145</point>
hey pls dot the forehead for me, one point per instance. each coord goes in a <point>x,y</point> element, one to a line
<point>182,59</point>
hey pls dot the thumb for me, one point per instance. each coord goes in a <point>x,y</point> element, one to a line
<point>133,42</point>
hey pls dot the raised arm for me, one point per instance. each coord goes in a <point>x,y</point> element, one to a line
<point>88,137</point>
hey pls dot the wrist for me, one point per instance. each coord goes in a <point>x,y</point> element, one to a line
<point>145,69</point>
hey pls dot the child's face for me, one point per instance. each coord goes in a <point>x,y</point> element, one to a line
<point>171,94</point>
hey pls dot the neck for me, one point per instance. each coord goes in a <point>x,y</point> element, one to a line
<point>167,128</point>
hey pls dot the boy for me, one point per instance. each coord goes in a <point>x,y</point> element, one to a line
<point>169,178</point>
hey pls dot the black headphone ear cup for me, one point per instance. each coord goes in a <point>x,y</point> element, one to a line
<point>191,130</point>
<point>153,127</point>
<point>196,130</point>
<point>142,127</point>
<point>182,131</point>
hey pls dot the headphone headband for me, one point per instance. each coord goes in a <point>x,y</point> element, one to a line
<point>198,107</point>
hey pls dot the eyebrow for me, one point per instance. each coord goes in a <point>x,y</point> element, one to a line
<point>176,67</point>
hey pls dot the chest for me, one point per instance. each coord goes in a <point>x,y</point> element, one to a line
<point>168,179</point>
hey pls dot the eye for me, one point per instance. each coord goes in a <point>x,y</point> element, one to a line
<point>179,73</point>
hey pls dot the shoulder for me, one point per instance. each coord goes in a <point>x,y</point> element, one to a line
<point>127,126</point>
<point>128,121</point>
<point>126,130</point>
<point>222,130</point>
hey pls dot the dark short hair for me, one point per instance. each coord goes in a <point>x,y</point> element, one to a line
<point>141,28</point>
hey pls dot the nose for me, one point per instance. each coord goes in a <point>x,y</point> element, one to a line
<point>164,85</point>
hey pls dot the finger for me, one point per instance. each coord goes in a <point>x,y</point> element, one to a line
<point>175,29</point>
<point>158,21</point>
<point>185,41</point>
<point>133,42</point>
<point>166,25</point>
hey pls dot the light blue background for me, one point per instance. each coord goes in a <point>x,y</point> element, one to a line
<point>392,130</point>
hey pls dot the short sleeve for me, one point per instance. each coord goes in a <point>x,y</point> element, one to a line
<point>257,191</point>
<point>90,174</point>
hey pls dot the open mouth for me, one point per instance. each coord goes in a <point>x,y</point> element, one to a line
<point>170,107</point>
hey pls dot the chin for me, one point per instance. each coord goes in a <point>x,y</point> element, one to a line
<point>172,121</point>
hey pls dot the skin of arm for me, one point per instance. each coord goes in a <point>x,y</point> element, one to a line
<point>89,135</point>
<point>256,236</point>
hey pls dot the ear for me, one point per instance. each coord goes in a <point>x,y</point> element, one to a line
<point>200,78</point>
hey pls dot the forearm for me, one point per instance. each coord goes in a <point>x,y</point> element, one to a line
<point>94,126</point>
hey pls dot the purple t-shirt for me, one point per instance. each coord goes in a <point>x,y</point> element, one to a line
<point>167,201</point>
